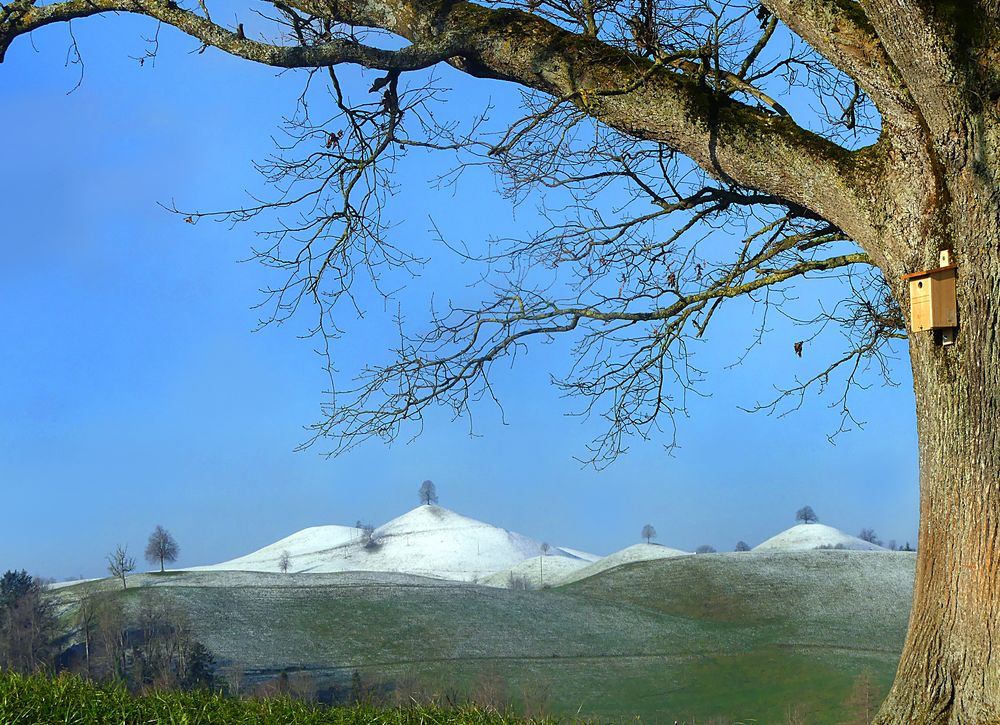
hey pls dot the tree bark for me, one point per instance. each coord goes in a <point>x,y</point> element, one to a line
<point>950,667</point>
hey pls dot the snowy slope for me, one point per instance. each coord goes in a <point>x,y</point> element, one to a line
<point>636,552</point>
<point>428,541</point>
<point>306,549</point>
<point>579,554</point>
<point>813,536</point>
<point>537,571</point>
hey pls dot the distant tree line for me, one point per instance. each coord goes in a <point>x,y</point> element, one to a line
<point>152,648</point>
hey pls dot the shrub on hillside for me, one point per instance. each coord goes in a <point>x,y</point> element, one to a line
<point>519,582</point>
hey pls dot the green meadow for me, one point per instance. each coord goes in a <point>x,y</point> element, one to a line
<point>730,637</point>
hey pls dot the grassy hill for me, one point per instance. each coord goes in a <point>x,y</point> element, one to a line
<point>735,636</point>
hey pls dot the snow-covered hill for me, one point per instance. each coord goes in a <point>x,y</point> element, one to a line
<point>431,541</point>
<point>636,552</point>
<point>815,536</point>
<point>428,541</point>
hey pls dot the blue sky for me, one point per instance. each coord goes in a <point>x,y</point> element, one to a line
<point>134,392</point>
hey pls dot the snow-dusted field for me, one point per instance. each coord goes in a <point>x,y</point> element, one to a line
<point>843,599</point>
<point>536,572</point>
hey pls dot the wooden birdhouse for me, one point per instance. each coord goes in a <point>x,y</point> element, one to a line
<point>932,298</point>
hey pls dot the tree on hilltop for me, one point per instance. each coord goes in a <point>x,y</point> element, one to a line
<point>120,564</point>
<point>742,546</point>
<point>806,515</point>
<point>161,547</point>
<point>648,532</point>
<point>844,140</point>
<point>428,493</point>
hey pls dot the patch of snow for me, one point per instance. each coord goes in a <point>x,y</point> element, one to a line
<point>804,537</point>
<point>68,583</point>
<point>636,552</point>
<point>579,554</point>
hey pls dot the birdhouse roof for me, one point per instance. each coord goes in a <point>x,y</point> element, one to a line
<point>926,272</point>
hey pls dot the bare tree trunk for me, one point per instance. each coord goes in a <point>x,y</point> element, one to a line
<point>950,668</point>
<point>86,642</point>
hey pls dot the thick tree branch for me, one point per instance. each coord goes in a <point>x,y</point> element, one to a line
<point>23,17</point>
<point>931,43</point>
<point>841,32</point>
<point>729,139</point>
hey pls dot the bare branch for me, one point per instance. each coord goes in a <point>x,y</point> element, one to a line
<point>727,138</point>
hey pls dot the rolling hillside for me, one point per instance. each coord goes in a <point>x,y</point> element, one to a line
<point>549,571</point>
<point>729,635</point>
